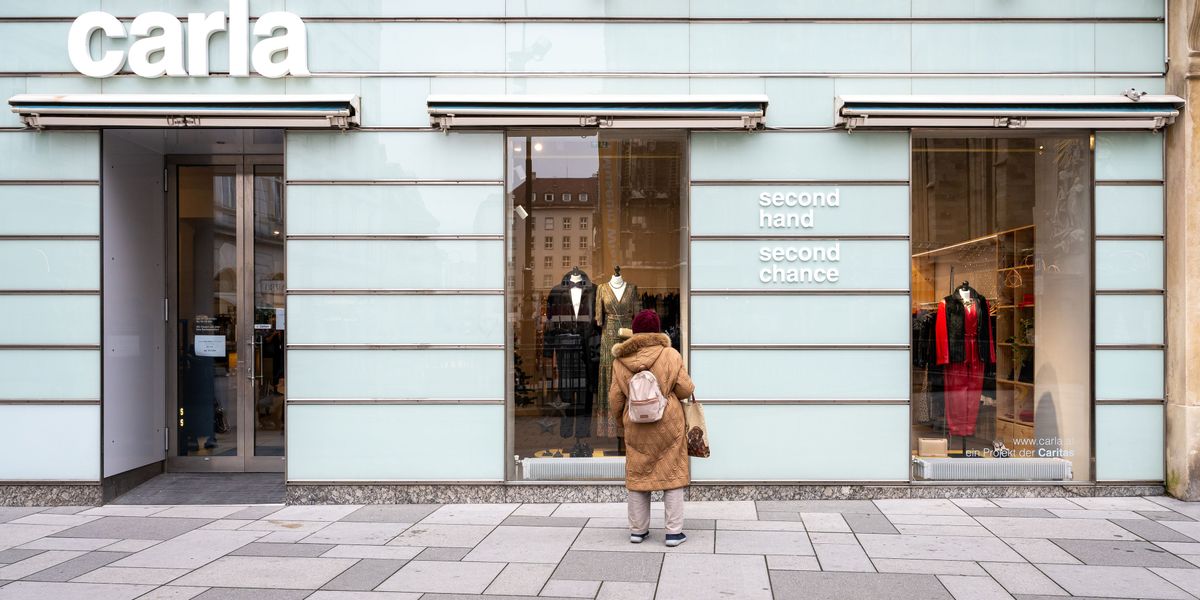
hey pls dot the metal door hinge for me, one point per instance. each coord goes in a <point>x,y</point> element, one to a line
<point>166,439</point>
<point>166,310</point>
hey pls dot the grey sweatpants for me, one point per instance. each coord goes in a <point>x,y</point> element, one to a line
<point>639,510</point>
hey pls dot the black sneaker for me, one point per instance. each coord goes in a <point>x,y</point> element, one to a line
<point>675,539</point>
<point>637,538</point>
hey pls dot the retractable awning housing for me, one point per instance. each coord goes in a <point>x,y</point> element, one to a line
<point>744,112</point>
<point>1130,111</point>
<point>44,111</point>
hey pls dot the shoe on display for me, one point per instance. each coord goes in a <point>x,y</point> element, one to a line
<point>675,539</point>
<point>637,538</point>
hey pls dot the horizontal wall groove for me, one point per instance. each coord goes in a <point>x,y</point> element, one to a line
<point>695,346</point>
<point>395,346</point>
<point>1130,182</point>
<point>393,237</point>
<point>394,401</point>
<point>1133,401</point>
<point>490,182</point>
<point>504,19</point>
<point>95,182</point>
<point>49,346</point>
<point>661,75</point>
<point>1131,346</point>
<point>390,292</point>
<point>1132,292</point>
<point>794,237</point>
<point>49,292</point>
<point>46,237</point>
<point>49,401</point>
<point>749,182</point>
<point>814,402</point>
<point>1139,238</point>
<point>806,292</point>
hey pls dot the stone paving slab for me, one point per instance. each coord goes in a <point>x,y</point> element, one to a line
<point>966,549</point>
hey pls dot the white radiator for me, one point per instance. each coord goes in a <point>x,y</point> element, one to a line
<point>573,468</point>
<point>993,469</point>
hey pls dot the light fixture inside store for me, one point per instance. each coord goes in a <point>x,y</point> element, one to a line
<point>537,147</point>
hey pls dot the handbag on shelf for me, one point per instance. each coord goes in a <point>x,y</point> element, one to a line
<point>695,430</point>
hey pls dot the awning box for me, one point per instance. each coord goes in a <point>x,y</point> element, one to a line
<point>1132,110</point>
<point>42,111</point>
<point>628,112</point>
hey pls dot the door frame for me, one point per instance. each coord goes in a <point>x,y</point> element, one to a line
<point>244,460</point>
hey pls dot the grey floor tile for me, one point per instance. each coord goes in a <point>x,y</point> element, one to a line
<point>190,550</point>
<point>384,552</point>
<point>173,592</point>
<point>615,540</point>
<point>1120,582</point>
<point>626,590</point>
<point>141,528</point>
<point>1187,580</point>
<point>391,513</point>
<point>44,590</point>
<point>828,522</point>
<point>1041,551</point>
<point>931,547</point>
<point>255,512</point>
<point>303,550</point>
<point>1019,578</point>
<point>1164,515</point>
<point>131,575</point>
<point>33,564</point>
<point>1188,528</point>
<point>77,566</point>
<point>1121,554</point>
<point>779,516</point>
<point>365,575</point>
<point>520,579</point>
<point>571,589</point>
<point>12,534</point>
<point>65,510</point>
<point>1009,512</point>
<point>794,543</point>
<point>919,506</point>
<point>843,557</point>
<point>322,513</point>
<point>760,525</point>
<point>793,563</point>
<point>10,513</point>
<point>1043,597</point>
<point>869,523</point>
<point>252,594</point>
<point>818,506</point>
<point>609,566</point>
<point>442,536</point>
<point>802,585</point>
<point>727,509</point>
<point>443,577</point>
<point>546,521</point>
<point>470,514</point>
<point>1078,529</point>
<point>704,576</point>
<point>344,595</point>
<point>973,588</point>
<point>524,544</point>
<point>442,554</point>
<point>1115,503</point>
<point>85,544</point>
<point>1152,530</point>
<point>928,567</point>
<point>267,572</point>
<point>357,533</point>
<point>484,597</point>
<point>13,555</point>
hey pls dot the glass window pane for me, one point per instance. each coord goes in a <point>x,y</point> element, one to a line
<point>1129,374</point>
<point>396,264</point>
<point>47,155</point>
<point>1128,155</point>
<point>49,375</point>
<point>50,210</point>
<point>801,374</point>
<point>370,155</point>
<point>828,156</point>
<point>395,210</point>
<point>799,320</point>
<point>1129,265</point>
<point>49,265</point>
<point>1129,210</point>
<point>380,319</point>
<point>36,319</point>
<point>625,217</point>
<point>1129,319</point>
<point>1001,289</point>
<point>1129,442</point>
<point>396,374</point>
<point>72,453</point>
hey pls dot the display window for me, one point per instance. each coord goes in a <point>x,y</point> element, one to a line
<point>1002,307</point>
<point>624,253</point>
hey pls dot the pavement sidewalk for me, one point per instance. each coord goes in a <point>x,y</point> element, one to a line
<point>1025,548</point>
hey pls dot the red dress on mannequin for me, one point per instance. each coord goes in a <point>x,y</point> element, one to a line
<point>963,380</point>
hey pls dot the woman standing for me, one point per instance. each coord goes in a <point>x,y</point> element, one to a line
<point>656,453</point>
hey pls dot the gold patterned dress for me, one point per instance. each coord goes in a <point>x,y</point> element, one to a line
<point>612,315</point>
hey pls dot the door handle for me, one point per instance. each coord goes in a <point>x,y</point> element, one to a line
<point>250,358</point>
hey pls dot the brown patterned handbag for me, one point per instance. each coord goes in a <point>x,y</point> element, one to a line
<point>695,428</point>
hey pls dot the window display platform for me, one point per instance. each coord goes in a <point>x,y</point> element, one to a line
<point>992,469</point>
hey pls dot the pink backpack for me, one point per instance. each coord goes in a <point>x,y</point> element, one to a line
<point>646,402</point>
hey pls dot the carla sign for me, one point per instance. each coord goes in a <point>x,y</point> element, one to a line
<point>158,47</point>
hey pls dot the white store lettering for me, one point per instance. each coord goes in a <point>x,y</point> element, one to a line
<point>158,47</point>
<point>807,202</point>
<point>777,273</point>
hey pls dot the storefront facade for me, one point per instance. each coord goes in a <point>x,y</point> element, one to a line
<point>907,248</point>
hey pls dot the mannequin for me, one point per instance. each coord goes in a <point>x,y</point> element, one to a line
<point>965,345</point>
<point>616,303</point>
<point>571,340</point>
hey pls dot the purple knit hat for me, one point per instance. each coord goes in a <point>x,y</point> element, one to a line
<point>647,322</point>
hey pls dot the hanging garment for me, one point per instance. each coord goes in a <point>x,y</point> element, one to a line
<point>571,339</point>
<point>613,315</point>
<point>966,326</point>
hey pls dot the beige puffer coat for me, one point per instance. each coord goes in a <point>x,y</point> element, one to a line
<point>655,453</point>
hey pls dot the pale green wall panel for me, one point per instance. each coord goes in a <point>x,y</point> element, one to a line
<point>30,47</point>
<point>802,8</point>
<point>406,47</point>
<point>385,319</point>
<point>1129,155</point>
<point>583,85</point>
<point>799,102</point>
<point>394,264</point>
<point>49,374</point>
<point>49,265</point>
<point>396,374</point>
<point>594,8</point>
<point>395,443</point>
<point>1129,319</point>
<point>50,210</point>
<point>393,8</point>
<point>1003,47</point>
<point>1129,443</point>
<point>597,47</point>
<point>800,374</point>
<point>397,210</point>
<point>70,155</point>
<point>1129,374</point>
<point>36,319</point>
<point>806,47</point>
<point>738,264</point>
<point>805,443</point>
<point>1129,210</point>
<point>800,320</point>
<point>1037,8</point>
<point>825,156</point>
<point>71,453</point>
<point>367,155</point>
<point>1129,265</point>
<point>739,210</point>
<point>1130,48</point>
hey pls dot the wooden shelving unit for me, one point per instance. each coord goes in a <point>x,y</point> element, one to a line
<point>1014,309</point>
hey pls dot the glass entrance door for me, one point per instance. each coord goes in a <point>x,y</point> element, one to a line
<point>227,309</point>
